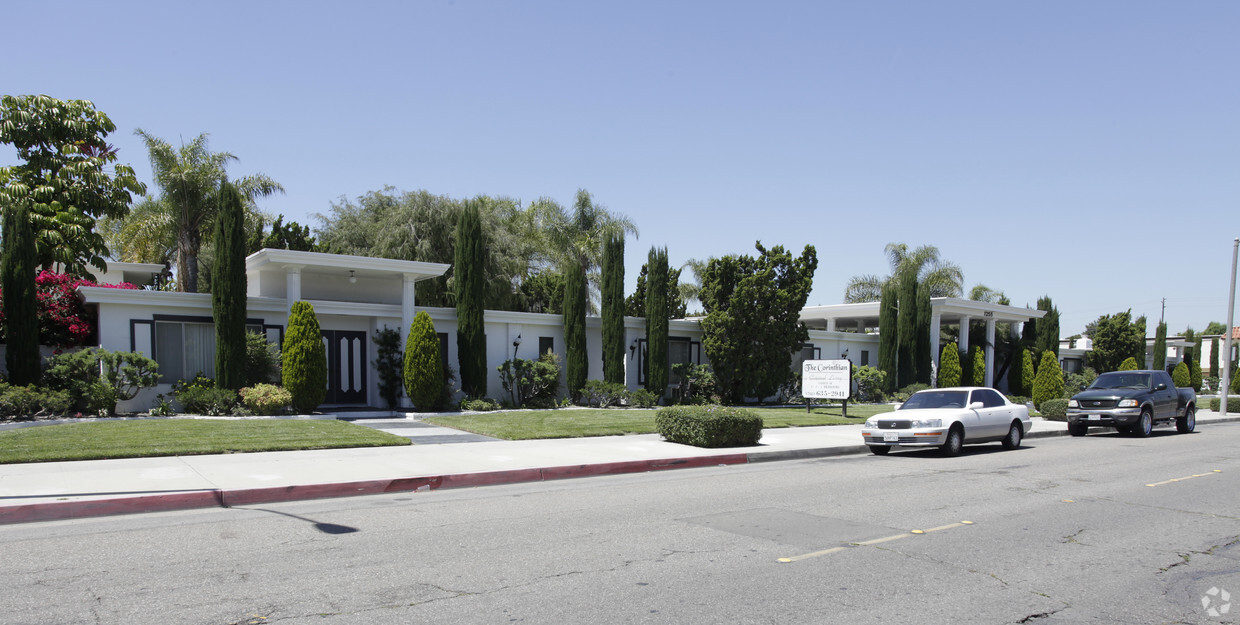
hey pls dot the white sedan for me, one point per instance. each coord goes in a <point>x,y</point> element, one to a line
<point>949,418</point>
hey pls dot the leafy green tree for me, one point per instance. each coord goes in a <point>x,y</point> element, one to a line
<point>62,183</point>
<point>576,238</point>
<point>1049,382</point>
<point>190,180</point>
<point>17,269</point>
<point>470,295</point>
<point>944,278</point>
<point>304,358</point>
<point>656,323</point>
<point>576,366</point>
<point>1048,327</point>
<point>228,297</point>
<point>1194,373</point>
<point>424,375</point>
<point>983,293</point>
<point>542,292</point>
<point>1129,364</point>
<point>291,236</point>
<point>1235,382</point>
<point>1160,347</point>
<point>888,342</point>
<point>752,324</point>
<point>949,366</point>
<point>1116,337</point>
<point>389,363</point>
<point>612,292</point>
<point>1180,376</point>
<point>1214,328</point>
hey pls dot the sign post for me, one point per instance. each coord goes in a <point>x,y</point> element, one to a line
<point>826,379</point>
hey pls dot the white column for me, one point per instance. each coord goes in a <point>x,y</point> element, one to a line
<point>406,319</point>
<point>292,285</point>
<point>936,319</point>
<point>990,352</point>
<point>964,333</point>
<point>831,324</point>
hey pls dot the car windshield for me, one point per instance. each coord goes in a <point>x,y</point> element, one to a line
<point>1122,379</point>
<point>936,399</point>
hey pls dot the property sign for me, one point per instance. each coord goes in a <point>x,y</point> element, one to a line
<point>826,379</point>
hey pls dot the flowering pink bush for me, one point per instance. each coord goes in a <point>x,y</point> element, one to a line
<point>64,321</point>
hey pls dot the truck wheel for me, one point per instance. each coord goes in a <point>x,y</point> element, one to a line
<point>879,450</point>
<point>1145,426</point>
<point>1077,429</point>
<point>1188,422</point>
<point>1012,440</point>
<point>954,443</point>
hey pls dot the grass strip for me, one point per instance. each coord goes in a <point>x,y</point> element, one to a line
<point>578,422</point>
<point>182,437</point>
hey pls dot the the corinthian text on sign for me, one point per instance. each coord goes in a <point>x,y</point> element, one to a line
<point>826,379</point>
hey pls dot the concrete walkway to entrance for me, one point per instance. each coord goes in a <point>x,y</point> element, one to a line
<point>439,458</point>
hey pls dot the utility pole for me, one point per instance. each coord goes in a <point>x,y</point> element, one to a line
<point>1225,387</point>
<point>1163,314</point>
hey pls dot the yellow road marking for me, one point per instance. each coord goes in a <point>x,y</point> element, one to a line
<point>1181,479</point>
<point>873,541</point>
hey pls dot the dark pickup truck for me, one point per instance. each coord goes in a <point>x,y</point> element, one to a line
<point>1132,402</point>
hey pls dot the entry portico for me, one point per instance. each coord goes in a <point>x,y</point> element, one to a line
<point>952,311</point>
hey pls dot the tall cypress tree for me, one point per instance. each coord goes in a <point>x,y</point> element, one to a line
<point>228,299</point>
<point>576,365</point>
<point>888,339</point>
<point>304,358</point>
<point>17,273</point>
<point>1214,357</point>
<point>468,284</point>
<point>612,293</point>
<point>924,356</point>
<point>656,322</point>
<point>1160,347</point>
<point>1048,327</point>
<point>906,320</point>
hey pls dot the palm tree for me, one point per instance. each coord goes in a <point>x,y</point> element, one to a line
<point>983,293</point>
<point>576,239</point>
<point>944,278</point>
<point>182,217</point>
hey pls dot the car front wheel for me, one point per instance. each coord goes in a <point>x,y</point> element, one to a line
<point>879,450</point>
<point>1145,426</point>
<point>1077,429</point>
<point>1188,422</point>
<point>954,443</point>
<point>1012,440</point>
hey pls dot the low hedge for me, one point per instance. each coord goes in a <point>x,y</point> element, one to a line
<point>1054,409</point>
<point>709,426</point>
<point>1233,403</point>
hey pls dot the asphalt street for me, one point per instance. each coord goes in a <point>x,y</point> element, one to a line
<point>1102,529</point>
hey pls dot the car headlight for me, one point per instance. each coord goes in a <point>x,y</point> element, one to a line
<point>871,424</point>
<point>1127,403</point>
<point>928,423</point>
<point>1072,404</point>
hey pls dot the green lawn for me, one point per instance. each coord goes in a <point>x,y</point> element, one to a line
<point>182,437</point>
<point>577,422</point>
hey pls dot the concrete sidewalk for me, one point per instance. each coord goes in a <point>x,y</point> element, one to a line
<point>64,490</point>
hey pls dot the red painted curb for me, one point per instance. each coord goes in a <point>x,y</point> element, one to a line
<point>58,510</point>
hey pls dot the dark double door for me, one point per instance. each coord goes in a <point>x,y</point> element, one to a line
<point>346,366</point>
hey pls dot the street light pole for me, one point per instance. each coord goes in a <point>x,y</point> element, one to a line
<point>1231,310</point>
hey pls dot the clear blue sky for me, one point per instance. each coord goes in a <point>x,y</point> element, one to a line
<point>1089,151</point>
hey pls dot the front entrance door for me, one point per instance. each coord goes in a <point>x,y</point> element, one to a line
<point>346,366</point>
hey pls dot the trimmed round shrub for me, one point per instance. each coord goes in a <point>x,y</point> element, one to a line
<point>482,404</point>
<point>265,399</point>
<point>1054,409</point>
<point>949,366</point>
<point>424,375</point>
<point>304,359</point>
<point>1129,364</point>
<point>1181,377</point>
<point>709,426</point>
<point>642,398</point>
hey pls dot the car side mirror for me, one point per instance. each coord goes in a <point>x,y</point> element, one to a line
<point>977,405</point>
<point>1160,387</point>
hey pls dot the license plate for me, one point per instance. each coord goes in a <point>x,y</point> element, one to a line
<point>891,437</point>
<point>1093,417</point>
